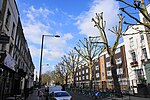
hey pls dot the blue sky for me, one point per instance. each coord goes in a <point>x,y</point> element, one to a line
<point>71,19</point>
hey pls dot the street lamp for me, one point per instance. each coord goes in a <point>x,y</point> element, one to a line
<point>57,36</point>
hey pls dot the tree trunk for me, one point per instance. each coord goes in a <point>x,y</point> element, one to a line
<point>115,77</point>
<point>74,82</point>
<point>90,83</point>
<point>66,79</point>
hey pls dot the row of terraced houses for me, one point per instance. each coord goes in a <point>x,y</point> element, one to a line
<point>132,60</point>
<point>16,66</point>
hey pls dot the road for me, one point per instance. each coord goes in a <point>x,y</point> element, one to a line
<point>82,97</point>
<point>34,96</point>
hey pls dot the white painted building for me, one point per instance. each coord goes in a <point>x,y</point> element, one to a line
<point>137,52</point>
<point>136,47</point>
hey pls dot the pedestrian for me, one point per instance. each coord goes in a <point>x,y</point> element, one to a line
<point>63,87</point>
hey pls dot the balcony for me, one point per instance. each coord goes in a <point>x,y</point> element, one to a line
<point>134,64</point>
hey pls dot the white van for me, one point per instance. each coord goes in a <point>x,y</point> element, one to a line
<point>54,88</point>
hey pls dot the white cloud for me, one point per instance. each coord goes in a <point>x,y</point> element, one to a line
<point>34,28</point>
<point>34,31</point>
<point>33,13</point>
<point>68,36</point>
<point>110,10</point>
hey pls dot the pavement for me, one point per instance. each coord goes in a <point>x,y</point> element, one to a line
<point>34,95</point>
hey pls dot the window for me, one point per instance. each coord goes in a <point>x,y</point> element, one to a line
<point>107,55</point>
<point>3,47</point>
<point>79,78</point>
<point>102,65</point>
<point>109,73</point>
<point>97,67</point>
<point>17,40</point>
<point>142,37</point>
<point>10,49</point>
<point>79,73</point>
<point>117,50</point>
<point>7,22</point>
<point>87,70</point>
<point>138,71</point>
<point>110,81</point>
<point>118,61</point>
<point>103,74</point>
<point>119,71</point>
<point>108,64</point>
<point>19,45</point>
<point>12,32</point>
<point>83,77</point>
<point>131,42</point>
<point>83,72</point>
<point>79,67</point>
<point>97,75</point>
<point>144,52</point>
<point>133,56</point>
<point>87,76</point>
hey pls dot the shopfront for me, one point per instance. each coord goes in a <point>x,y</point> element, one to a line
<point>9,78</point>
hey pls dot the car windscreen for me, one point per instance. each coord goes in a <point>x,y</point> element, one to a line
<point>61,94</point>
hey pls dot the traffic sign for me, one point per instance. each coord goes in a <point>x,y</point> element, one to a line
<point>4,39</point>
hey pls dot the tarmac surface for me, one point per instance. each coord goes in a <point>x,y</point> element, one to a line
<point>34,96</point>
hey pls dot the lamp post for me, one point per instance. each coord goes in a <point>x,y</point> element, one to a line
<point>57,36</point>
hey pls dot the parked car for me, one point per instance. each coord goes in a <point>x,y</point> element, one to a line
<point>60,95</point>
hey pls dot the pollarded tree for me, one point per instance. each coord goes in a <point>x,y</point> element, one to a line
<point>89,52</point>
<point>136,6</point>
<point>61,71</point>
<point>53,77</point>
<point>72,62</point>
<point>45,78</point>
<point>100,24</point>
